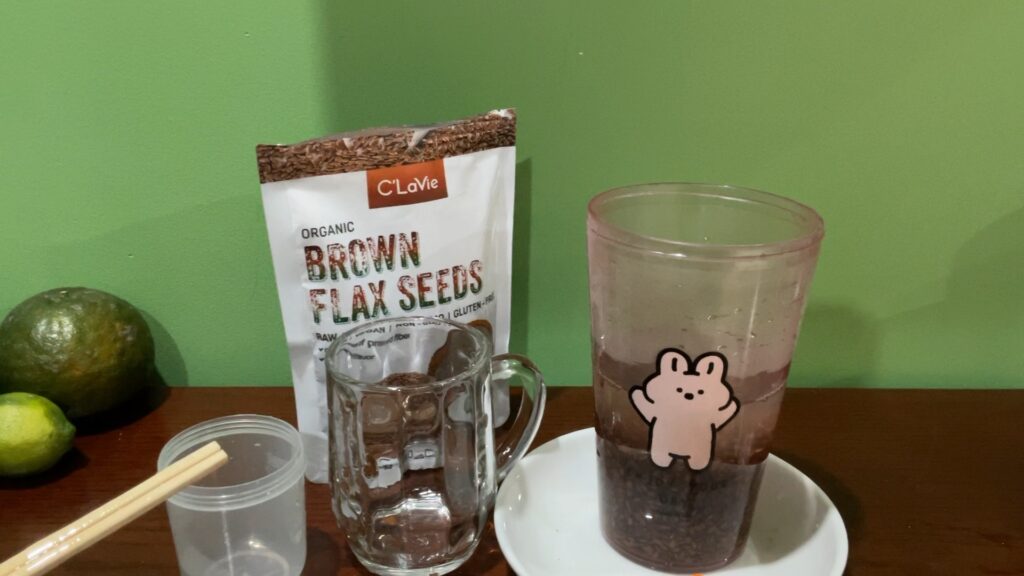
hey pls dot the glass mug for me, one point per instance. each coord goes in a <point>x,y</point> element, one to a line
<point>696,293</point>
<point>414,462</point>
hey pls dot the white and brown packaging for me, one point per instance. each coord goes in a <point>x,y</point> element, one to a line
<point>388,222</point>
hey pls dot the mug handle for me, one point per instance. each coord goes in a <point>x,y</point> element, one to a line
<point>524,428</point>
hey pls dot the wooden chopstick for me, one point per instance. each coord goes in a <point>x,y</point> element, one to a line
<point>48,552</point>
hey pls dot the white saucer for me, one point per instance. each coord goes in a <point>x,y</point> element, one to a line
<point>547,523</point>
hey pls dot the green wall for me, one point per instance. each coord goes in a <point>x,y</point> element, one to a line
<point>127,131</point>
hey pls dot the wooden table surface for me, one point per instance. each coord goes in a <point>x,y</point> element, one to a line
<point>928,482</point>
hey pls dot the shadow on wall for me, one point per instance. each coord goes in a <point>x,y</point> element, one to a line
<point>519,342</point>
<point>331,24</point>
<point>838,347</point>
<point>980,320</point>
<point>204,278</point>
<point>968,339</point>
<point>170,364</point>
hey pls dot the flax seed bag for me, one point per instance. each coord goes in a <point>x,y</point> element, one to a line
<point>388,222</point>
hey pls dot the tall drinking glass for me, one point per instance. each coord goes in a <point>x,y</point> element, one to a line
<point>696,294</point>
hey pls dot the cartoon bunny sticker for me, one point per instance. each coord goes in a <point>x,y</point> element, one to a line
<point>685,402</point>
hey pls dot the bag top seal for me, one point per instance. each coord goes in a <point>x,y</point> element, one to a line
<point>385,147</point>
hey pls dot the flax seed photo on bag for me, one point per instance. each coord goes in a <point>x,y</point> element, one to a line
<point>408,221</point>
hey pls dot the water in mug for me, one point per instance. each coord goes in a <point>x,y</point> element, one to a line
<point>415,497</point>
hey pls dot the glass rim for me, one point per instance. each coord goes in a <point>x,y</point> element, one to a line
<point>481,356</point>
<point>811,224</point>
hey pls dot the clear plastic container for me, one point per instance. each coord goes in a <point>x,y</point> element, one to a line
<point>248,517</point>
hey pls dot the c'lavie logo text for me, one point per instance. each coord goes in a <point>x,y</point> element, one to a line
<point>408,184</point>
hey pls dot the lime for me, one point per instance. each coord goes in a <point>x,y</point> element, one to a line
<point>34,434</point>
<point>86,350</point>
